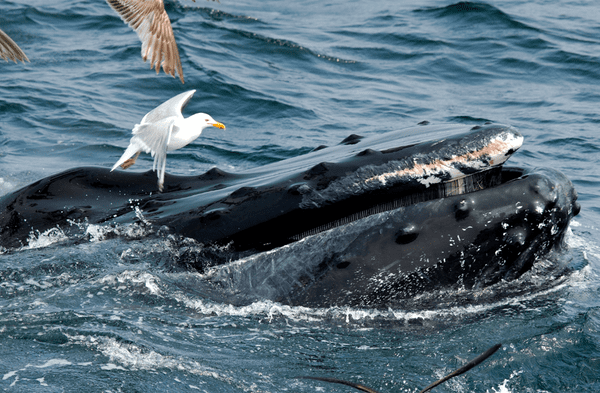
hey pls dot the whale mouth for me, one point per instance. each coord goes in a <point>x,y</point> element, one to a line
<point>353,209</point>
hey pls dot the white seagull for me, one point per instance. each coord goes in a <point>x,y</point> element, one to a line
<point>164,129</point>
<point>151,23</point>
<point>10,50</point>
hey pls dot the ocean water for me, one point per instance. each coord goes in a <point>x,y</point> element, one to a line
<point>113,313</point>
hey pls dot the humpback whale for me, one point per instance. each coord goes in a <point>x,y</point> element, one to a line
<point>364,223</point>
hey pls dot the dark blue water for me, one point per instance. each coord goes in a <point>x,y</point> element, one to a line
<point>113,314</point>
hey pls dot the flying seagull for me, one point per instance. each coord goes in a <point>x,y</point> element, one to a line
<point>151,23</point>
<point>164,129</point>
<point>9,50</point>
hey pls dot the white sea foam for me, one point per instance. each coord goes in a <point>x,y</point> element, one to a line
<point>44,239</point>
<point>86,231</point>
<point>51,363</point>
<point>503,388</point>
<point>271,310</point>
<point>9,374</point>
<point>135,277</point>
<point>47,364</point>
<point>128,356</point>
<point>6,185</point>
<point>98,233</point>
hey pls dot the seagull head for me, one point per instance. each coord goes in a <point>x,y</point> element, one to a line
<point>203,120</point>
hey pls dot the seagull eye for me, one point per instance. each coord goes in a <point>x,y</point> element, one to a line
<point>205,119</point>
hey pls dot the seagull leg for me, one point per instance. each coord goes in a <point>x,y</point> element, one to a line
<point>130,161</point>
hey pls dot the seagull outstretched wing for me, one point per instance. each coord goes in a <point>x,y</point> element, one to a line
<point>170,108</point>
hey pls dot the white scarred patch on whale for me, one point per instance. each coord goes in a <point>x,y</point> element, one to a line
<point>427,181</point>
<point>493,154</point>
<point>425,169</point>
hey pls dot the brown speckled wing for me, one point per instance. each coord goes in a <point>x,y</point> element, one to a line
<point>9,50</point>
<point>151,23</point>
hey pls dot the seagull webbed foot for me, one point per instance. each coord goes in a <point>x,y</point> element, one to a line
<point>130,161</point>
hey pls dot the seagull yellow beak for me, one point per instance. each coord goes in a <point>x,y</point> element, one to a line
<point>219,125</point>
